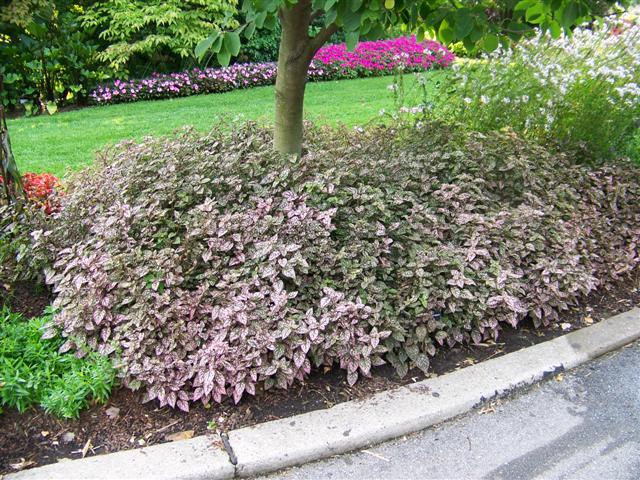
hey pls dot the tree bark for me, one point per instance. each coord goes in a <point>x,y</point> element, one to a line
<point>11,181</point>
<point>294,57</point>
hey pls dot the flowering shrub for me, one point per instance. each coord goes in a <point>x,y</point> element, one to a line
<point>579,92</point>
<point>331,62</point>
<point>210,266</point>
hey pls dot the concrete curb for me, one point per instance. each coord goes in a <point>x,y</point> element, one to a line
<point>351,425</point>
<point>197,458</point>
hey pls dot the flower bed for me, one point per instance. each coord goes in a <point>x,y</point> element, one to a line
<point>332,62</point>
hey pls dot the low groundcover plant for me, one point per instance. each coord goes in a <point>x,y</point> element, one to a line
<point>332,62</point>
<point>209,266</point>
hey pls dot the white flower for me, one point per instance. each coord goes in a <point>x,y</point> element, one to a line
<point>506,100</point>
<point>467,100</point>
<point>484,99</point>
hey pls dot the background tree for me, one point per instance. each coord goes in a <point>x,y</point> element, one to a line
<point>480,24</point>
<point>49,58</point>
<point>150,28</point>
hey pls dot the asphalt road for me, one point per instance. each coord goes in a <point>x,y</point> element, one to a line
<point>584,424</point>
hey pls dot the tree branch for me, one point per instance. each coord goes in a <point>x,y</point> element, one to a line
<point>321,38</point>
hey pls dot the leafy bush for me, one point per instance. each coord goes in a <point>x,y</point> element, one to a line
<point>332,62</point>
<point>34,371</point>
<point>262,47</point>
<point>208,266</point>
<point>580,92</point>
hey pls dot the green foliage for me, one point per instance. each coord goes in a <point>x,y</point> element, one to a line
<point>150,28</point>
<point>263,45</point>
<point>20,12</point>
<point>50,60</point>
<point>633,148</point>
<point>33,371</point>
<point>478,24</point>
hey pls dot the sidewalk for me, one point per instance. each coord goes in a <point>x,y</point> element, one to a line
<point>579,425</point>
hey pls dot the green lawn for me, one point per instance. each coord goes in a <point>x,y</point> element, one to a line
<point>69,140</point>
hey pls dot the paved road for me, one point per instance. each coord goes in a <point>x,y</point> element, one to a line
<point>584,424</point>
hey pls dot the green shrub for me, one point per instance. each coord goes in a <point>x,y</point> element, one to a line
<point>580,93</point>
<point>138,30</point>
<point>633,148</point>
<point>34,371</point>
<point>262,46</point>
<point>210,264</point>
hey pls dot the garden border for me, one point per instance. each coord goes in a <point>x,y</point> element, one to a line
<point>351,425</point>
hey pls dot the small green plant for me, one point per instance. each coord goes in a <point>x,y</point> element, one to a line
<point>33,371</point>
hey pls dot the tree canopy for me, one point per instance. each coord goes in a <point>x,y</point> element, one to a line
<point>479,24</point>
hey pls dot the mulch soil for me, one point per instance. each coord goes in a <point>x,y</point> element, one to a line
<point>34,438</point>
<point>25,298</point>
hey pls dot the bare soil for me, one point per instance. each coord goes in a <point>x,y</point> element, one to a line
<point>28,299</point>
<point>34,438</point>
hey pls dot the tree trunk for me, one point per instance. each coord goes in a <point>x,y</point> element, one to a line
<point>11,181</point>
<point>294,58</point>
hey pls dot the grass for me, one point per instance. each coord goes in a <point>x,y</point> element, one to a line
<point>69,140</point>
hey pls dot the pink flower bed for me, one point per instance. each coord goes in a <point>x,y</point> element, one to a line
<point>387,55</point>
<point>332,62</point>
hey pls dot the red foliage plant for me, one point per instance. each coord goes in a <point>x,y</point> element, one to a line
<point>42,189</point>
